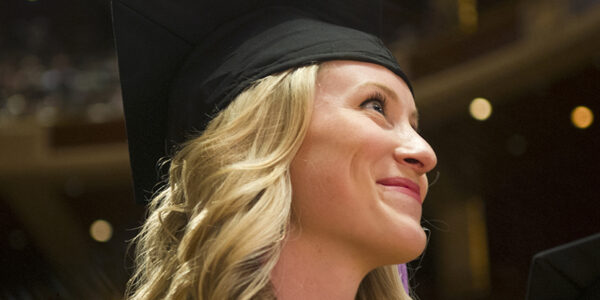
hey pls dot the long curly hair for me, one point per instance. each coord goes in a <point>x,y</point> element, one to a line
<point>216,230</point>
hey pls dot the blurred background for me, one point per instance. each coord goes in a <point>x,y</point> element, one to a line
<point>508,93</point>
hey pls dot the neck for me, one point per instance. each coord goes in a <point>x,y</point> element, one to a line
<point>312,268</point>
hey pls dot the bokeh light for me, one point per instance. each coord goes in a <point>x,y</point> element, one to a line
<point>16,104</point>
<point>480,109</point>
<point>582,117</point>
<point>98,113</point>
<point>468,15</point>
<point>101,230</point>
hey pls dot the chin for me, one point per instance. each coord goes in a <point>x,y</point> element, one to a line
<point>413,246</point>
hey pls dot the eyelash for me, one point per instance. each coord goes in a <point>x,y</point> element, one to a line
<point>381,100</point>
<point>376,97</point>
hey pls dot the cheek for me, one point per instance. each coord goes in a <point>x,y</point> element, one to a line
<point>340,156</point>
<point>334,168</point>
<point>320,172</point>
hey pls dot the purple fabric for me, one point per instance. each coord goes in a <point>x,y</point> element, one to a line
<point>404,275</point>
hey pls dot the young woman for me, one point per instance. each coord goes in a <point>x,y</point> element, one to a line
<point>307,183</point>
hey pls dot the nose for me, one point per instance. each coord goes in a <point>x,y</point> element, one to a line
<point>416,153</point>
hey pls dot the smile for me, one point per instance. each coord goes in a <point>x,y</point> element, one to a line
<point>402,185</point>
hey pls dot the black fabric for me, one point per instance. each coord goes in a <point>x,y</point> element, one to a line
<point>568,272</point>
<point>181,61</point>
<point>145,92</point>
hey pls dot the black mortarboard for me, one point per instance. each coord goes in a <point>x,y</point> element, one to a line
<point>180,61</point>
<point>567,272</point>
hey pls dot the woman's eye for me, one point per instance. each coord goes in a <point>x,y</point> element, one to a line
<point>374,104</point>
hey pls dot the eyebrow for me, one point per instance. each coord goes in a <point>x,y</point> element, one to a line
<point>414,116</point>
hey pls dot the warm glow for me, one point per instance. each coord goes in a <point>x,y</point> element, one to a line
<point>479,264</point>
<point>480,109</point>
<point>582,117</point>
<point>468,17</point>
<point>16,104</point>
<point>101,231</point>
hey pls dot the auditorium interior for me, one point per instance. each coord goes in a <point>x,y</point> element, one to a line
<point>508,94</point>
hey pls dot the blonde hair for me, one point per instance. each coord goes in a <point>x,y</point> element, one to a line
<point>216,230</point>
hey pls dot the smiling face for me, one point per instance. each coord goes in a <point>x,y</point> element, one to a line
<point>359,177</point>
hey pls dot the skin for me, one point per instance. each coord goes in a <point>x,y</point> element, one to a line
<point>345,223</point>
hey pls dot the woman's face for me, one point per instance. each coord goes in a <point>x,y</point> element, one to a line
<point>359,177</point>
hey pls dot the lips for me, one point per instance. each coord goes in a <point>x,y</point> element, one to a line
<point>402,185</point>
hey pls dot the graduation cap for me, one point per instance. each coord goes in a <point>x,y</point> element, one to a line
<point>567,272</point>
<point>181,61</point>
